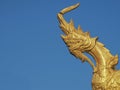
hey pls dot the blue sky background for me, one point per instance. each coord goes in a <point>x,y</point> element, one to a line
<point>32,53</point>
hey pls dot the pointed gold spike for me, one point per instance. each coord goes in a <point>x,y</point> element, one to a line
<point>71,22</point>
<point>63,36</point>
<point>71,26</point>
<point>95,38</point>
<point>79,29</point>
<point>116,57</point>
<point>87,33</point>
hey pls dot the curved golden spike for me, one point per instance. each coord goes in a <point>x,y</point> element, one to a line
<point>65,10</point>
<point>79,29</point>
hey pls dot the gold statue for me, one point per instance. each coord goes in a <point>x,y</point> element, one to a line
<point>105,75</point>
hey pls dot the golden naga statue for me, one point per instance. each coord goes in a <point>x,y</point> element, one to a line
<point>105,75</point>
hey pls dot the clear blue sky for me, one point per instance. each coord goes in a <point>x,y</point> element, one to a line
<point>32,54</point>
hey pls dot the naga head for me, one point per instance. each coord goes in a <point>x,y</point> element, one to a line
<point>77,41</point>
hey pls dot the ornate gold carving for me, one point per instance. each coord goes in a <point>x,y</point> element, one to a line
<point>105,75</point>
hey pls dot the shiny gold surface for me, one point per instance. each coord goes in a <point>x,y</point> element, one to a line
<point>105,75</point>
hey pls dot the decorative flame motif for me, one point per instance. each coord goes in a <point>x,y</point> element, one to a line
<point>105,76</point>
